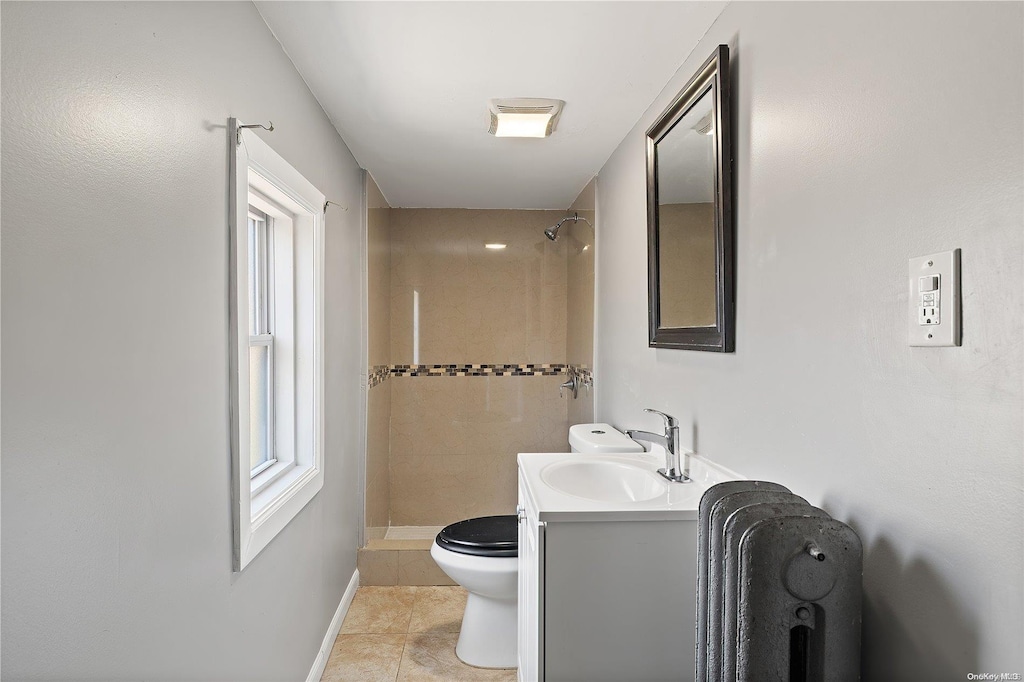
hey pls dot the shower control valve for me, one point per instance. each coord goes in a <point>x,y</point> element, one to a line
<point>573,384</point>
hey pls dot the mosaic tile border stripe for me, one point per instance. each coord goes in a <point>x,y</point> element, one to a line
<point>481,370</point>
<point>378,374</point>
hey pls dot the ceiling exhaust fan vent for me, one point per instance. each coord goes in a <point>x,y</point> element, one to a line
<point>706,125</point>
<point>524,116</point>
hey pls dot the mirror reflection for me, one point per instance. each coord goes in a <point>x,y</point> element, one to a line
<point>689,216</point>
<point>686,219</point>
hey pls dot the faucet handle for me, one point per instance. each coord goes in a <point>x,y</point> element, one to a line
<point>670,421</point>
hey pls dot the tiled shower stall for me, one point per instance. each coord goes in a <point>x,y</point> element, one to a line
<point>467,348</point>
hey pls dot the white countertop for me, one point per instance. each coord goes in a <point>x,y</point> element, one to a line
<point>680,502</point>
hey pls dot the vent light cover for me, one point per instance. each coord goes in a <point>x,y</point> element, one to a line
<point>524,116</point>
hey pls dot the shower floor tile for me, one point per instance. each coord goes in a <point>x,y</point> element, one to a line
<point>404,633</point>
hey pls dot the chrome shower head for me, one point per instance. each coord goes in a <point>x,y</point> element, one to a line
<point>552,232</point>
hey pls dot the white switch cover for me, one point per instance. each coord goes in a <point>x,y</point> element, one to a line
<point>935,299</point>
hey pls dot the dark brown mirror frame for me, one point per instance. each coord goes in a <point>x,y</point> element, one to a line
<point>713,75</point>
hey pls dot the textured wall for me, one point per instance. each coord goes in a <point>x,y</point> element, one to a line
<point>865,134</point>
<point>116,493</point>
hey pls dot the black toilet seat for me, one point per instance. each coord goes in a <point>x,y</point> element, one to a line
<point>496,536</point>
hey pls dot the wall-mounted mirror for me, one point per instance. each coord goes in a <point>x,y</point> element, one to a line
<point>689,216</point>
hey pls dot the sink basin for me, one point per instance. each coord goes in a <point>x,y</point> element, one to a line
<point>604,481</point>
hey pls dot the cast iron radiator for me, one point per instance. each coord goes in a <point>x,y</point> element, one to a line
<point>778,588</point>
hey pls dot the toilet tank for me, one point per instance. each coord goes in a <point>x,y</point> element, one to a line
<point>600,439</point>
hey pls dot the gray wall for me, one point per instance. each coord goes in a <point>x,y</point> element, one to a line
<point>865,134</point>
<point>116,513</point>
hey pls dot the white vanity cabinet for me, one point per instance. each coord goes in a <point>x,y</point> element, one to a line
<point>531,592</point>
<point>604,595</point>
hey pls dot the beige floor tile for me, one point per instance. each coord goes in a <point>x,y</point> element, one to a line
<point>438,609</point>
<point>364,658</point>
<point>429,658</point>
<point>380,610</point>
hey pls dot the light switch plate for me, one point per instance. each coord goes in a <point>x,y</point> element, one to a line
<point>935,313</point>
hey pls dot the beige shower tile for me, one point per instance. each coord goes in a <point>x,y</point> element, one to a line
<point>430,318</point>
<point>417,567</point>
<point>502,342</point>
<point>497,399</point>
<point>377,567</point>
<point>541,394</point>
<point>547,325</point>
<point>401,315</point>
<point>427,490</point>
<point>438,436</point>
<point>438,609</point>
<point>378,447</point>
<point>447,230</point>
<point>581,411</point>
<point>379,610</point>
<point>487,438</point>
<point>441,326</point>
<point>416,264</point>
<point>429,398</point>
<point>551,435</point>
<point>495,327</point>
<point>491,484</point>
<point>553,263</point>
<point>549,348</point>
<point>579,330</point>
<point>378,499</point>
<point>550,404</point>
<point>430,657</point>
<point>378,285</point>
<point>502,267</point>
<point>367,658</point>
<point>429,415</point>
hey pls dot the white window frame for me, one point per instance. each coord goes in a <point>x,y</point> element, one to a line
<point>264,504</point>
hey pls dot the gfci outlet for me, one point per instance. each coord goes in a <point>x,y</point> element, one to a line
<point>935,299</point>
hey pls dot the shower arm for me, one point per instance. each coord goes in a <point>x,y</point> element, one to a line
<point>552,232</point>
<point>575,217</point>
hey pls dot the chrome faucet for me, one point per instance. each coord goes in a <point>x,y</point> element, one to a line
<point>670,441</point>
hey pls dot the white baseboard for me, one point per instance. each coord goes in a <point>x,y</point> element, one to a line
<point>320,663</point>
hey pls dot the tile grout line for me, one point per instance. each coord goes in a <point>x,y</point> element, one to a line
<point>405,640</point>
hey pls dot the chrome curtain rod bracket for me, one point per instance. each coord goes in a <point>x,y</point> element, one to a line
<point>334,203</point>
<point>238,133</point>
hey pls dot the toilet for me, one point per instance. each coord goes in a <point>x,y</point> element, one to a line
<point>481,555</point>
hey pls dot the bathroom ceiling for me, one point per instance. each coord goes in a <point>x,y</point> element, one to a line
<point>407,85</point>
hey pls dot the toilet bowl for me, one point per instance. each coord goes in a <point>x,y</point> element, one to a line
<point>482,555</point>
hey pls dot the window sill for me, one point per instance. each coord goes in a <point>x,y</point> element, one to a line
<point>274,508</point>
<point>280,491</point>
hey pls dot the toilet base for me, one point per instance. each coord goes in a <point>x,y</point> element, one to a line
<point>488,635</point>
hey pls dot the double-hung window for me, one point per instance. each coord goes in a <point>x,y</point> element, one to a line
<point>276,307</point>
<point>261,343</point>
